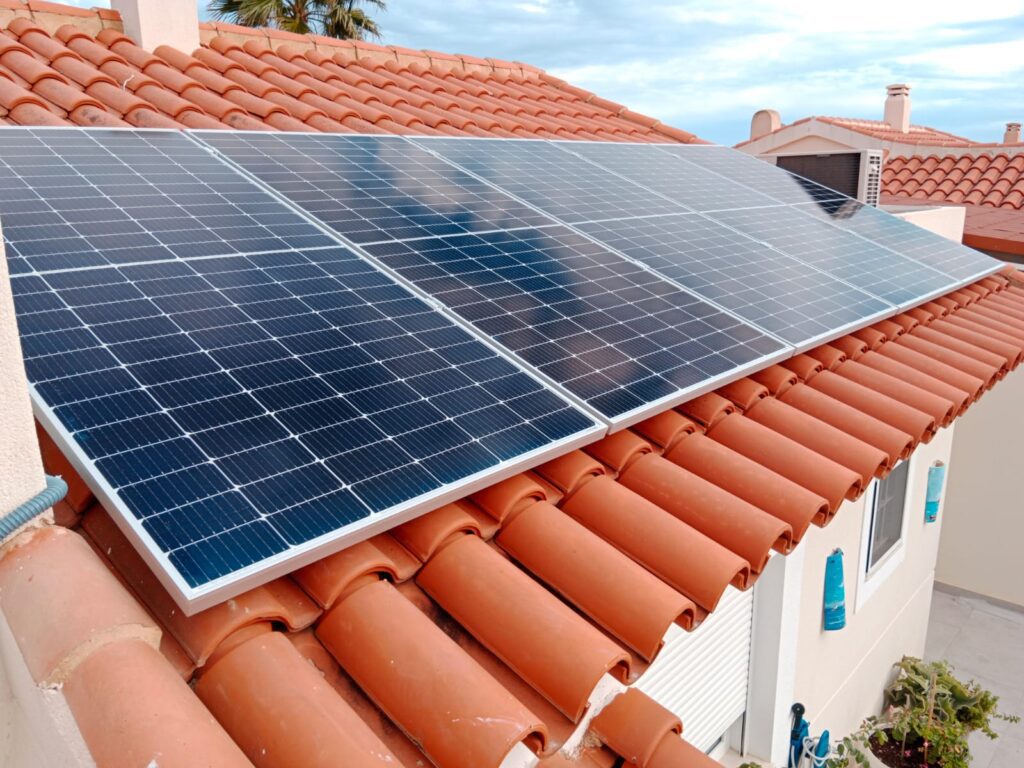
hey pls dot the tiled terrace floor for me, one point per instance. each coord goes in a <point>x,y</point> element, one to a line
<point>984,642</point>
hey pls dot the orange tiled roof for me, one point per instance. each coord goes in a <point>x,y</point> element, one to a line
<point>879,129</point>
<point>918,134</point>
<point>510,606</point>
<point>492,621</point>
<point>271,80</point>
<point>990,186</point>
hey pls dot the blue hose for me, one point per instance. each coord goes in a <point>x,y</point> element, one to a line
<point>56,490</point>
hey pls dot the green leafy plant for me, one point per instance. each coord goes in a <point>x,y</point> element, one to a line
<point>928,716</point>
<point>333,18</point>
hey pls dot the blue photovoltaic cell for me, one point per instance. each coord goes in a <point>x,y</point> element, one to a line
<point>858,262</point>
<point>740,168</point>
<point>72,199</point>
<point>243,405</point>
<point>952,258</point>
<point>773,291</point>
<point>551,178</point>
<point>614,334</point>
<point>648,165</point>
<point>372,188</point>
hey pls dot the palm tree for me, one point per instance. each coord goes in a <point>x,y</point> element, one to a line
<point>333,18</point>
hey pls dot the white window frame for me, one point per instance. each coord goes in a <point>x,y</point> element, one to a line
<point>868,581</point>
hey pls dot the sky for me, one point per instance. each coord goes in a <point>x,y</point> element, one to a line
<point>707,65</point>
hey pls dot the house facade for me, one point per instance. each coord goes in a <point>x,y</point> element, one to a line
<point>581,613</point>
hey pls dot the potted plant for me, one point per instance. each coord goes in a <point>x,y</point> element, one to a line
<point>928,716</point>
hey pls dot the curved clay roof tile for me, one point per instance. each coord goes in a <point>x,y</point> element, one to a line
<point>748,531</point>
<point>666,429</point>
<point>863,458</point>
<point>678,554</point>
<point>776,378</point>
<point>401,659</point>
<point>329,579</point>
<point>503,608</point>
<point>942,409</point>
<point>750,481</point>
<point>620,449</point>
<point>985,372</point>
<point>130,705</point>
<point>633,725</point>
<point>959,397</point>
<point>616,593</point>
<point>570,471</point>
<point>282,713</point>
<point>818,474</point>
<point>893,442</point>
<point>425,535</point>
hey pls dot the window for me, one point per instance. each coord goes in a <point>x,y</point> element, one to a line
<point>887,515</point>
<point>884,529</point>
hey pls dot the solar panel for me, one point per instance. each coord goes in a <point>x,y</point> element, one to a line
<point>769,180</point>
<point>648,165</point>
<point>73,199</point>
<point>775,292</point>
<point>956,260</point>
<point>242,411</point>
<point>372,188</point>
<point>861,263</point>
<point>550,178</point>
<point>243,406</point>
<point>611,332</point>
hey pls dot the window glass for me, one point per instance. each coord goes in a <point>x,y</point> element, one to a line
<point>887,519</point>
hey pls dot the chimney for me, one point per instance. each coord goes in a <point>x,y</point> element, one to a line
<point>897,107</point>
<point>1012,135</point>
<point>152,23</point>
<point>764,122</point>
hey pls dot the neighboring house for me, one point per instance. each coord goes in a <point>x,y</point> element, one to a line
<point>571,615</point>
<point>923,166</point>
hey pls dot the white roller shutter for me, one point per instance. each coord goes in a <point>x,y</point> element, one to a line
<point>702,675</point>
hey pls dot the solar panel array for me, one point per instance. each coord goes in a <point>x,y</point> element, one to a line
<point>558,182</point>
<point>773,291</point>
<point>242,406</point>
<point>71,202</point>
<point>259,344</point>
<point>901,236</point>
<point>617,336</point>
<point>651,342</point>
<point>372,188</point>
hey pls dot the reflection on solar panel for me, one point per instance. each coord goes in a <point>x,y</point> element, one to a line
<point>554,180</point>
<point>612,333</point>
<point>245,405</point>
<point>646,164</point>
<point>241,409</point>
<point>905,238</point>
<point>372,188</point>
<point>737,167</point>
<point>861,263</point>
<point>775,292</point>
<point>73,199</point>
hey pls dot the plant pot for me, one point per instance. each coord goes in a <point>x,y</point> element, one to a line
<point>879,762</point>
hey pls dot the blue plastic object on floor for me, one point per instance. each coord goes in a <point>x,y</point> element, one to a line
<point>835,592</point>
<point>933,495</point>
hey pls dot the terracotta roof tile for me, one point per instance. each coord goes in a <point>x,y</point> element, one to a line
<point>459,617</point>
<point>990,185</point>
<point>513,612</point>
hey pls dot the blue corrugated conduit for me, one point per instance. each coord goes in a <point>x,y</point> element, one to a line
<point>56,490</point>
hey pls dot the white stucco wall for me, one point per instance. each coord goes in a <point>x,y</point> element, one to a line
<point>984,527</point>
<point>945,220</point>
<point>840,675</point>
<point>21,467</point>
